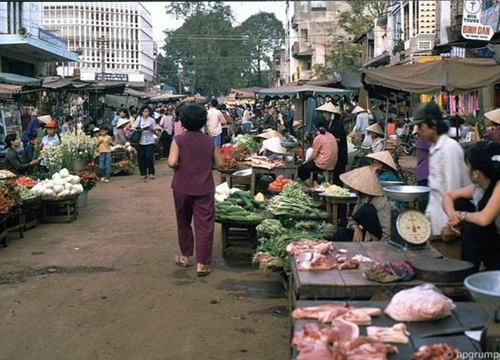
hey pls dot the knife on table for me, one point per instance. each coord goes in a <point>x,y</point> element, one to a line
<point>452,331</point>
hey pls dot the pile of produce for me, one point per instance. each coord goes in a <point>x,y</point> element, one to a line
<point>61,186</point>
<point>335,190</point>
<point>246,145</point>
<point>230,164</point>
<point>239,206</point>
<point>8,195</point>
<point>223,191</point>
<point>295,190</point>
<point>25,181</point>
<point>124,167</point>
<point>5,174</point>
<point>26,195</point>
<point>279,183</point>
<point>281,205</point>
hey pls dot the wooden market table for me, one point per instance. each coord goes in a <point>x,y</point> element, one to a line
<point>276,171</point>
<point>236,233</point>
<point>332,205</point>
<point>352,284</point>
<point>466,314</point>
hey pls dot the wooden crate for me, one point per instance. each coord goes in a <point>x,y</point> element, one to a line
<point>59,211</point>
<point>31,213</point>
<point>15,222</point>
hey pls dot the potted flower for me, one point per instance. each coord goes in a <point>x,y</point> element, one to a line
<point>79,150</point>
<point>88,180</point>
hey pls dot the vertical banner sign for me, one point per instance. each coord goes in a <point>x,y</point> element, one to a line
<point>472,28</point>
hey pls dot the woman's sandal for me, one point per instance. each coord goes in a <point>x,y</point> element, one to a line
<point>203,272</point>
<point>181,263</point>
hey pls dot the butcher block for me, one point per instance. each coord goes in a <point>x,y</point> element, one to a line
<point>465,315</point>
<point>352,284</point>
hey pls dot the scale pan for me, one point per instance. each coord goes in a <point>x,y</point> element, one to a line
<point>406,193</point>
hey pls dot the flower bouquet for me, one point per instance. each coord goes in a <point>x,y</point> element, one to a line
<point>88,180</point>
<point>78,147</point>
<point>53,158</point>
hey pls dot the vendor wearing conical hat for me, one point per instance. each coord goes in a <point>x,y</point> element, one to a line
<point>384,166</point>
<point>493,132</point>
<point>371,217</point>
<point>375,138</point>
<point>363,119</point>
<point>335,126</point>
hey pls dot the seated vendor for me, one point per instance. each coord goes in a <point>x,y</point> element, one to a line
<point>371,218</point>
<point>384,166</point>
<point>493,132</point>
<point>375,138</point>
<point>272,148</point>
<point>12,159</point>
<point>479,224</point>
<point>324,154</point>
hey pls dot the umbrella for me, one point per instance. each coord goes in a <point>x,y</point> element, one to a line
<point>458,75</point>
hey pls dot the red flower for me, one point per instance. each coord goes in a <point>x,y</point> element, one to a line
<point>88,180</point>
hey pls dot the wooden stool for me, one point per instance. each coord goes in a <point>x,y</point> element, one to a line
<point>244,235</point>
<point>328,175</point>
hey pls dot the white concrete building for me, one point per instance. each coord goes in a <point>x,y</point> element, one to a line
<point>25,47</point>
<point>125,27</point>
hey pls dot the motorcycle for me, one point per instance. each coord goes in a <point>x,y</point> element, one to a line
<point>408,140</point>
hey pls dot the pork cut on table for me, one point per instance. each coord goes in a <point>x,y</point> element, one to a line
<point>314,261</point>
<point>301,246</point>
<point>396,334</point>
<point>367,348</point>
<point>313,333</point>
<point>324,313</point>
<point>348,331</point>
<point>361,316</point>
<point>348,265</point>
<point>441,351</point>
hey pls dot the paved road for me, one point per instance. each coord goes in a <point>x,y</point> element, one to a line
<point>106,287</point>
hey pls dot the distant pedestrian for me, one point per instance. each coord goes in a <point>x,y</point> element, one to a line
<point>104,142</point>
<point>215,120</point>
<point>146,147</point>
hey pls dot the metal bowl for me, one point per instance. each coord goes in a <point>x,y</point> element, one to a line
<point>289,144</point>
<point>406,193</point>
<point>392,183</point>
<point>484,288</point>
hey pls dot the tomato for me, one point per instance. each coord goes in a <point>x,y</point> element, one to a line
<point>280,177</point>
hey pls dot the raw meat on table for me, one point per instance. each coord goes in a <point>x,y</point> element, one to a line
<point>348,265</point>
<point>441,351</point>
<point>324,313</point>
<point>367,348</point>
<point>314,261</point>
<point>299,247</point>
<point>396,334</point>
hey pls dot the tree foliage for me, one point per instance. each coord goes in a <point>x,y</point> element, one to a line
<point>262,33</point>
<point>343,55</point>
<point>214,55</point>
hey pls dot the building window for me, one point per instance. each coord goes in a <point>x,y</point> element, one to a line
<point>318,5</point>
<point>304,35</point>
<point>277,61</point>
<point>278,74</point>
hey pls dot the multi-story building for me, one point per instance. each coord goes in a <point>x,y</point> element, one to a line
<point>25,47</point>
<point>114,38</point>
<point>311,26</point>
<point>279,68</point>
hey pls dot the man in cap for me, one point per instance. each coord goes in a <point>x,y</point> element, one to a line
<point>447,168</point>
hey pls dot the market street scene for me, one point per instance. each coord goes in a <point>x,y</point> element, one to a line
<point>305,180</point>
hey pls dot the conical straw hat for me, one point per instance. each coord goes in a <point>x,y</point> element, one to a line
<point>384,157</point>
<point>45,119</point>
<point>329,107</point>
<point>493,115</point>
<point>274,145</point>
<point>122,122</point>
<point>358,109</point>
<point>363,180</point>
<point>376,129</point>
<point>270,134</point>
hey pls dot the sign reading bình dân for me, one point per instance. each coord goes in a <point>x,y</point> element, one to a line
<point>472,28</point>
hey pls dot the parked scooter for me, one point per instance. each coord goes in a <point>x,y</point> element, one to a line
<point>408,140</point>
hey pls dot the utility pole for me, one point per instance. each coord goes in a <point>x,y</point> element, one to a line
<point>103,43</point>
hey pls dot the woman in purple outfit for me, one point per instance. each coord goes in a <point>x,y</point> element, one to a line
<point>193,156</point>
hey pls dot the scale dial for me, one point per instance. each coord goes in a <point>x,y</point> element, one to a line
<point>413,226</point>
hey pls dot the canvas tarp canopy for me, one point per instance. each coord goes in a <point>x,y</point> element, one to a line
<point>20,80</point>
<point>457,75</point>
<point>7,90</point>
<point>310,90</point>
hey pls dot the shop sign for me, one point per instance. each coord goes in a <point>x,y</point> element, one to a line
<point>50,38</point>
<point>472,27</point>
<point>112,77</point>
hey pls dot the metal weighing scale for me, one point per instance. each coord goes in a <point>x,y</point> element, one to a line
<point>289,156</point>
<point>484,288</point>
<point>410,228</point>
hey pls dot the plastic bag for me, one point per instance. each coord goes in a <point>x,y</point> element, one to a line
<point>422,303</point>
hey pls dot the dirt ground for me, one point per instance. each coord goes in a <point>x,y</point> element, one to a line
<point>105,287</point>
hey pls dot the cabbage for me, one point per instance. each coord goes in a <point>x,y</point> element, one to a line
<point>64,193</point>
<point>78,188</point>
<point>49,184</point>
<point>49,193</point>
<point>64,173</point>
<point>59,182</point>
<point>56,176</point>
<point>75,179</point>
<point>68,186</point>
<point>58,188</point>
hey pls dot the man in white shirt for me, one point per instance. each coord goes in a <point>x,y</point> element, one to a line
<point>215,120</point>
<point>362,120</point>
<point>447,168</point>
